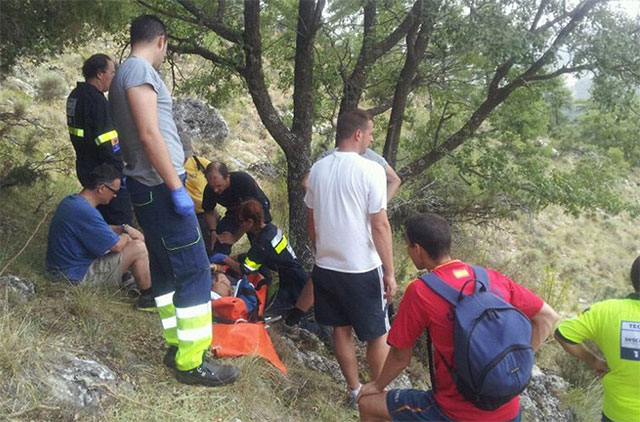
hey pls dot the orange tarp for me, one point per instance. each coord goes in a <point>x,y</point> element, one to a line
<point>245,338</point>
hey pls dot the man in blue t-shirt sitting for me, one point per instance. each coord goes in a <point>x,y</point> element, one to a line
<point>83,248</point>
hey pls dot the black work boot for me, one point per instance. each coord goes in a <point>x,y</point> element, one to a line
<point>146,302</point>
<point>170,357</point>
<point>210,374</point>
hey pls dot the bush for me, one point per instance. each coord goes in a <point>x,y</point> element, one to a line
<point>51,87</point>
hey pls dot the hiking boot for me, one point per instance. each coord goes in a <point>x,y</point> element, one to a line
<point>209,374</point>
<point>146,303</point>
<point>170,357</point>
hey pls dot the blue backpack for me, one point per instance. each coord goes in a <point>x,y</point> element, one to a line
<point>493,356</point>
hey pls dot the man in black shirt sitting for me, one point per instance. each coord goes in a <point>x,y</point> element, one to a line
<point>229,189</point>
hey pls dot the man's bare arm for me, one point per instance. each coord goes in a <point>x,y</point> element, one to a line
<point>144,109</point>
<point>393,182</point>
<point>396,361</point>
<point>542,324</point>
<point>381,234</point>
<point>598,365</point>
<point>211,217</point>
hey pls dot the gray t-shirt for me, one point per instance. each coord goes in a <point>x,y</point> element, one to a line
<point>369,154</point>
<point>135,72</point>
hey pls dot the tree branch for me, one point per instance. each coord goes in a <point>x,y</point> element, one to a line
<point>167,13</point>
<point>214,25</point>
<point>539,13</point>
<point>186,47</point>
<point>561,71</point>
<point>400,32</point>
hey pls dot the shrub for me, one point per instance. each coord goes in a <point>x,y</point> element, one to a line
<point>51,87</point>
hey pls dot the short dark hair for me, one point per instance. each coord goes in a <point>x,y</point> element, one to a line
<point>105,173</point>
<point>431,232</point>
<point>146,28</point>
<point>351,120</point>
<point>635,274</point>
<point>217,166</point>
<point>94,65</point>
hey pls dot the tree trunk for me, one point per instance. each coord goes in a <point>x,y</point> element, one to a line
<point>298,152</point>
<point>417,42</point>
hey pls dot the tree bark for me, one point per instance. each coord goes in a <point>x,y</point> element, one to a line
<point>416,45</point>
<point>298,153</point>
<point>354,86</point>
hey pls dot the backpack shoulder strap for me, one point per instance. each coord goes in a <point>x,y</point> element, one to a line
<point>441,288</point>
<point>199,164</point>
<point>480,274</point>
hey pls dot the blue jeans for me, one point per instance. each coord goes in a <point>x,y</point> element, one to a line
<point>417,405</point>
<point>177,256</point>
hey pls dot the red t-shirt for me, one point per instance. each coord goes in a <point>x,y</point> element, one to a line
<point>422,309</point>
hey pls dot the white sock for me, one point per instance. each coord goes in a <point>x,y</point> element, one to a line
<point>355,391</point>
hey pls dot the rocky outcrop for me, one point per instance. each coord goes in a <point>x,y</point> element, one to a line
<point>83,383</point>
<point>21,287</point>
<point>540,403</point>
<point>309,350</point>
<point>199,122</point>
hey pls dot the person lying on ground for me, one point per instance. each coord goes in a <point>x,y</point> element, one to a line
<point>84,249</point>
<point>271,248</point>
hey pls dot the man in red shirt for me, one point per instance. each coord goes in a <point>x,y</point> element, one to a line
<point>428,244</point>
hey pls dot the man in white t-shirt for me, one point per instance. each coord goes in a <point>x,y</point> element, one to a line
<point>353,275</point>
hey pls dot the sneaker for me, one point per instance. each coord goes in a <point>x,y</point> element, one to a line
<point>170,357</point>
<point>146,303</point>
<point>352,403</point>
<point>209,374</point>
<point>128,285</point>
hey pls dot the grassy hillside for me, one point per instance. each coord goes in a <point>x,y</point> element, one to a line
<point>571,262</point>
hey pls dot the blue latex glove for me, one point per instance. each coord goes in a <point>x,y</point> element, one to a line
<point>217,258</point>
<point>182,202</point>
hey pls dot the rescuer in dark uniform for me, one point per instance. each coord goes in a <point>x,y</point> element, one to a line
<point>93,134</point>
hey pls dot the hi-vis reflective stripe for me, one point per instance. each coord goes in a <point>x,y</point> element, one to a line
<point>106,137</point>
<point>164,300</point>
<point>250,265</point>
<point>193,311</point>
<point>170,322</point>
<point>76,132</point>
<point>195,333</point>
<point>279,242</point>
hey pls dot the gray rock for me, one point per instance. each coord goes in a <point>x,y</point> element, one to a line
<point>265,170</point>
<point>23,288</point>
<point>83,383</point>
<point>402,381</point>
<point>311,358</point>
<point>199,122</point>
<point>540,400</point>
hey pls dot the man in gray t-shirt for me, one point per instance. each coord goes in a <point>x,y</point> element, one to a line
<point>180,272</point>
<point>135,72</point>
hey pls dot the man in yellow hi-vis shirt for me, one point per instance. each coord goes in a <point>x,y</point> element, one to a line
<point>195,183</point>
<point>614,325</point>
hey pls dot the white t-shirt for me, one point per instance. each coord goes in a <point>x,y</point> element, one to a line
<point>344,189</point>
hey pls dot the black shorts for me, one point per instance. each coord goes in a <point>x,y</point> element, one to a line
<point>351,299</point>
